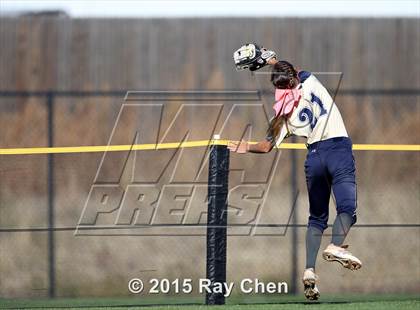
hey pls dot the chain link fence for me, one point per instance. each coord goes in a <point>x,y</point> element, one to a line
<point>44,195</point>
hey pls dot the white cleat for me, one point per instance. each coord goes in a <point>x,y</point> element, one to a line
<point>341,255</point>
<point>309,282</point>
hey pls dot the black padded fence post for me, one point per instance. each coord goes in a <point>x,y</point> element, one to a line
<point>217,221</point>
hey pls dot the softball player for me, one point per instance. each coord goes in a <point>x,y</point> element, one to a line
<point>303,107</point>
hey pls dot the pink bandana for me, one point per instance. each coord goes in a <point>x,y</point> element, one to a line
<point>286,100</point>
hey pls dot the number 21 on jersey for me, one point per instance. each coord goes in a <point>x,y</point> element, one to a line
<point>306,115</point>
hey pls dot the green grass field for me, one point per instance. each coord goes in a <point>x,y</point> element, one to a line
<point>371,302</point>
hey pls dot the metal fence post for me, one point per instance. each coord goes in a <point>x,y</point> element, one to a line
<point>50,185</point>
<point>294,190</point>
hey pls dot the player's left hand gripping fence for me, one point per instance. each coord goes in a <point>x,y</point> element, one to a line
<point>217,220</point>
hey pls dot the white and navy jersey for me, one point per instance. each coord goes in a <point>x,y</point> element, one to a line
<point>316,117</point>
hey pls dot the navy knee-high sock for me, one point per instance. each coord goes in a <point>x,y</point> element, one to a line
<point>341,227</point>
<point>313,241</point>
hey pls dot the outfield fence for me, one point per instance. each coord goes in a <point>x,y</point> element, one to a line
<point>45,184</point>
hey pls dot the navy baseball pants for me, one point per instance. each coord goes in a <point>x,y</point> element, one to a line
<point>330,164</point>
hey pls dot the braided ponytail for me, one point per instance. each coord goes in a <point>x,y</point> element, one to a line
<point>283,75</point>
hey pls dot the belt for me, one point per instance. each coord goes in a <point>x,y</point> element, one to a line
<point>333,140</point>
